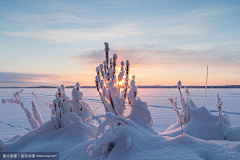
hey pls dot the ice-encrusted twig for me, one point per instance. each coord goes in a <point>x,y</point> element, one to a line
<point>174,103</point>
<point>226,137</point>
<point>100,94</point>
<point>106,51</point>
<point>114,65</point>
<point>112,102</point>
<point>50,105</point>
<point>11,101</point>
<point>126,81</point>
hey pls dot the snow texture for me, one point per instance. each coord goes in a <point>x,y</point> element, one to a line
<point>131,142</point>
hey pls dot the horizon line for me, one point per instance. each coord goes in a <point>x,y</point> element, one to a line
<point>142,86</point>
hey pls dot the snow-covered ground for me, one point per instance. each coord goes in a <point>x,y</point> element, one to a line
<point>144,145</point>
<point>13,120</point>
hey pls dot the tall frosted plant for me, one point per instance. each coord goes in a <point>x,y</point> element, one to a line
<point>112,89</point>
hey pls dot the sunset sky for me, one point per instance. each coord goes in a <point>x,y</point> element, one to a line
<point>51,42</point>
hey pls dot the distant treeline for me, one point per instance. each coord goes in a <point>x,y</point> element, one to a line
<point>227,86</point>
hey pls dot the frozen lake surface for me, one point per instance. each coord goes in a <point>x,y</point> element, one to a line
<point>14,121</point>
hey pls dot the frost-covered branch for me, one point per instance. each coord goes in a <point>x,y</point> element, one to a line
<point>4,101</point>
<point>126,81</point>
<point>174,103</point>
<point>106,51</point>
<point>112,102</point>
<point>34,123</point>
<point>179,86</point>
<point>37,114</point>
<point>50,105</point>
<point>100,94</point>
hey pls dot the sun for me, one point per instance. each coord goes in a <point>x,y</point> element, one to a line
<point>121,83</point>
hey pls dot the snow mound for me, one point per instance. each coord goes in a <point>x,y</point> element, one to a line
<point>200,123</point>
<point>65,140</point>
<point>131,142</point>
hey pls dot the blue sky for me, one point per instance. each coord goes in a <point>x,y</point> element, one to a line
<point>53,42</point>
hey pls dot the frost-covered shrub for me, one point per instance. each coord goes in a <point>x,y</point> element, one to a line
<point>186,105</point>
<point>62,113</point>
<point>114,89</point>
<point>65,110</point>
<point>80,106</point>
<point>183,114</point>
<point>180,116</point>
<point>63,121</point>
